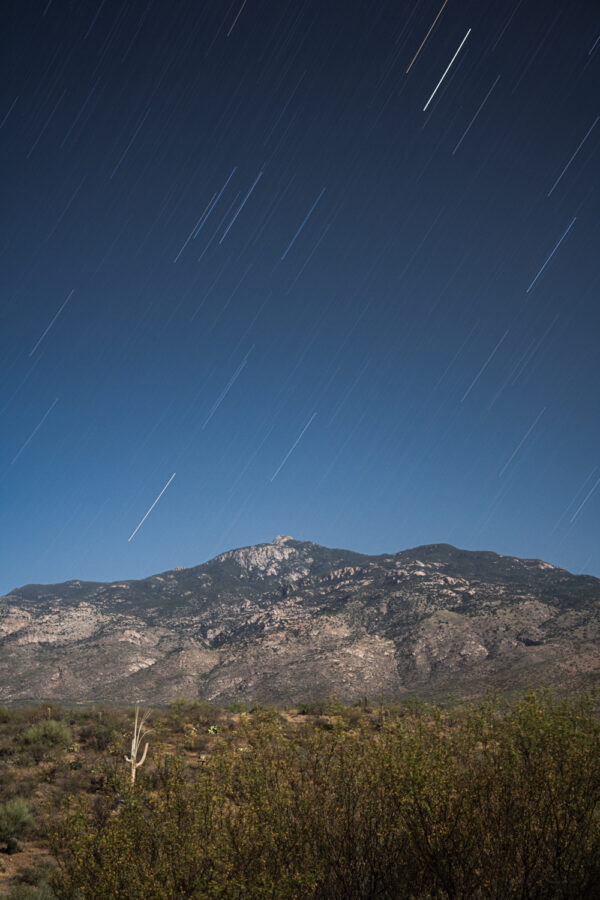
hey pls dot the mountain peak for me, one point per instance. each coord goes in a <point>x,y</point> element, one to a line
<point>266,560</point>
<point>290,620</point>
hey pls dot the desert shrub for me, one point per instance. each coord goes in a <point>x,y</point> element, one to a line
<point>96,736</point>
<point>6,715</point>
<point>7,748</point>
<point>238,706</point>
<point>15,818</point>
<point>40,737</point>
<point>168,837</point>
<point>48,731</point>
<point>41,711</point>
<point>205,713</point>
<point>316,708</point>
<point>469,802</point>
<point>200,713</point>
<point>352,715</point>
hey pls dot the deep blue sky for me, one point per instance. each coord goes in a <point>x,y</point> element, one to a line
<point>357,293</point>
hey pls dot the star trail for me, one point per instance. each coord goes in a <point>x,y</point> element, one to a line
<point>335,264</point>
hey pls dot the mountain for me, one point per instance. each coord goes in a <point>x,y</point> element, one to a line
<point>291,620</point>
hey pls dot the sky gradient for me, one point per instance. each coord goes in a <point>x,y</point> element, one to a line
<point>316,268</point>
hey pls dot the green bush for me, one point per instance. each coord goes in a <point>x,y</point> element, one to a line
<point>49,732</point>
<point>472,802</point>
<point>15,818</point>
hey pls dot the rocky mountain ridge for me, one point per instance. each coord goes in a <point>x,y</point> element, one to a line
<point>291,620</point>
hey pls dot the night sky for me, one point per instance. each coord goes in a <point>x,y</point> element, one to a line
<point>326,269</point>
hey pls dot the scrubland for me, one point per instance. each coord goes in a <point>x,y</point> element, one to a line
<point>484,799</point>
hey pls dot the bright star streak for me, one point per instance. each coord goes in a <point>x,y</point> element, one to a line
<point>582,504</point>
<point>236,18</point>
<point>425,38</point>
<point>447,70</point>
<point>152,507</point>
<point>292,448</point>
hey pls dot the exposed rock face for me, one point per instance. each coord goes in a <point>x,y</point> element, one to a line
<point>291,620</point>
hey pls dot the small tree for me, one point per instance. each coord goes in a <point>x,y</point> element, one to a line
<point>139,733</point>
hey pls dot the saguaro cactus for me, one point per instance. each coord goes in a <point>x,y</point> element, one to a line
<point>139,733</point>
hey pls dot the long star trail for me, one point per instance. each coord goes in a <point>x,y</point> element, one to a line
<point>129,145</point>
<point>80,113</point>
<point>67,208</point>
<point>552,254</point>
<point>292,448</point>
<point>250,460</point>
<point>139,525</point>
<point>425,38</point>
<point>219,226</point>
<point>10,109</point>
<point>455,357</point>
<point>93,22</point>
<point>521,442</point>
<point>584,501</point>
<point>282,113</point>
<point>483,102</point>
<point>46,123</point>
<point>227,387</point>
<point>511,17</point>
<point>236,18</point>
<point>484,367</point>
<point>581,143</point>
<point>310,256</point>
<point>303,223</point>
<point>191,234</point>
<point>435,90</point>
<point>214,203</point>
<point>35,431</point>
<point>241,206</point>
<point>566,511</point>
<point>20,385</point>
<point>40,339</point>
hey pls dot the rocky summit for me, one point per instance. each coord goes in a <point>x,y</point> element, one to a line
<point>291,620</point>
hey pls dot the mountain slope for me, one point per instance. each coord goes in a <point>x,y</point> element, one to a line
<point>292,620</point>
